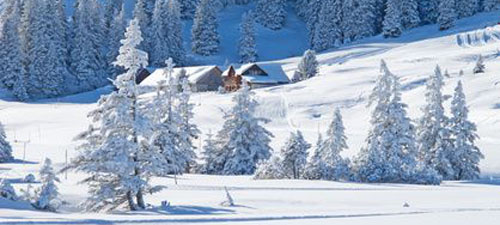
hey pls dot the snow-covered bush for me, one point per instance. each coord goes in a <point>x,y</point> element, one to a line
<point>7,191</point>
<point>308,66</point>
<point>480,67</point>
<point>270,169</point>
<point>30,178</point>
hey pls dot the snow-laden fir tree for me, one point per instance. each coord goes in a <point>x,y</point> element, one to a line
<point>205,37</point>
<point>433,134</point>
<point>271,13</point>
<point>11,52</point>
<point>88,61</point>
<point>247,48</point>
<point>410,16</point>
<point>428,11</point>
<point>115,153</point>
<point>447,14</point>
<point>166,33</point>
<point>490,5</point>
<point>301,7</point>
<point>7,191</point>
<point>392,25</point>
<point>243,140</point>
<point>294,155</point>
<point>480,67</point>
<point>390,154</point>
<point>330,149</point>
<point>209,156</point>
<point>312,12</point>
<point>47,196</point>
<point>316,168</point>
<point>112,8</point>
<point>466,156</point>
<point>466,8</point>
<point>360,17</point>
<point>328,31</point>
<point>308,66</point>
<point>115,35</point>
<point>188,8</point>
<point>141,14</point>
<point>5,148</point>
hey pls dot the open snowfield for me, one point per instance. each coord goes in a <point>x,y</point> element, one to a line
<point>347,77</point>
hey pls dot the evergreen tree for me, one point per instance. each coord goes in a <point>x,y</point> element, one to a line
<point>209,156</point>
<point>429,11</point>
<point>410,17</point>
<point>48,195</point>
<point>116,34</point>
<point>294,155</point>
<point>6,190</point>
<point>112,9</point>
<point>5,148</point>
<point>390,154</point>
<point>328,31</point>
<point>247,43</point>
<point>392,25</point>
<point>11,52</point>
<point>271,168</point>
<point>188,8</point>
<point>316,168</point>
<point>447,14</point>
<point>480,67</point>
<point>360,19</point>
<point>490,5</point>
<point>115,153</point>
<point>330,149</point>
<point>166,33</point>
<point>271,13</point>
<point>142,15</point>
<point>301,7</point>
<point>466,156</point>
<point>88,62</point>
<point>466,8</point>
<point>433,135</point>
<point>242,139</point>
<point>205,37</point>
<point>312,12</point>
<point>308,66</point>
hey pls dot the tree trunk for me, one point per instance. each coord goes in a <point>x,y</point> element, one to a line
<point>131,203</point>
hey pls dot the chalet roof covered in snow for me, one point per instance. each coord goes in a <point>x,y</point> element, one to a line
<point>194,73</point>
<point>262,73</point>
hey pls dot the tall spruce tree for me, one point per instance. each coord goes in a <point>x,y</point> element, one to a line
<point>5,148</point>
<point>466,8</point>
<point>410,17</point>
<point>166,33</point>
<point>115,35</point>
<point>205,37</point>
<point>447,14</point>
<point>316,167</point>
<point>142,14</point>
<point>392,25</point>
<point>490,5</point>
<point>271,13</point>
<point>294,155</point>
<point>466,155</point>
<point>48,195</point>
<point>247,48</point>
<point>334,143</point>
<point>188,8</point>
<point>328,31</point>
<point>429,11</point>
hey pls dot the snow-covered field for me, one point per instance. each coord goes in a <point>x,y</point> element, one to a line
<point>347,77</point>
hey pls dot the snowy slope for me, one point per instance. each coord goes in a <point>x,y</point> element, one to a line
<point>347,77</point>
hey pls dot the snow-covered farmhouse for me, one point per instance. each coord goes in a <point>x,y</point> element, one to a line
<point>201,78</point>
<point>256,75</point>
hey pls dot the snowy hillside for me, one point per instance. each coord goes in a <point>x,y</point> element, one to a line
<point>347,77</point>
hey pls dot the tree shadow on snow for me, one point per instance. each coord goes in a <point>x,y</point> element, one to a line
<point>487,181</point>
<point>191,210</point>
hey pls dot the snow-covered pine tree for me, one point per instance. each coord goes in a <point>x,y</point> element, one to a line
<point>466,8</point>
<point>47,197</point>
<point>433,134</point>
<point>392,25</point>
<point>447,14</point>
<point>188,8</point>
<point>115,35</point>
<point>7,191</point>
<point>312,11</point>
<point>114,153</point>
<point>243,139</point>
<point>316,168</point>
<point>308,66</point>
<point>88,61</point>
<point>480,67</point>
<point>410,16</point>
<point>390,154</point>
<point>204,32</point>
<point>247,48</point>
<point>360,19</point>
<point>5,148</point>
<point>334,143</point>
<point>142,15</point>
<point>11,52</point>
<point>271,13</point>
<point>112,8</point>
<point>466,156</point>
<point>209,156</point>
<point>166,33</point>
<point>294,155</point>
<point>429,11</point>
<point>490,5</point>
<point>301,7</point>
<point>328,31</point>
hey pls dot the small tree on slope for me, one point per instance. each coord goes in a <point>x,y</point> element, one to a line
<point>294,155</point>
<point>204,32</point>
<point>479,68</point>
<point>247,43</point>
<point>332,146</point>
<point>47,197</point>
<point>308,66</point>
<point>466,156</point>
<point>242,139</point>
<point>315,167</point>
<point>5,148</point>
